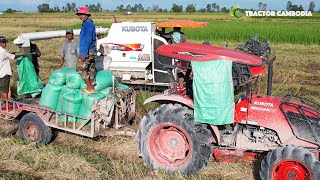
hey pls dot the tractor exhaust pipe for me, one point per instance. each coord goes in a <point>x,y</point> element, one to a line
<point>270,74</point>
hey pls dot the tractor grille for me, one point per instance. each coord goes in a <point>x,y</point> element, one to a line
<point>304,127</point>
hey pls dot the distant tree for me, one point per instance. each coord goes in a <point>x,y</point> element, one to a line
<point>191,8</point>
<point>155,8</point>
<point>202,10</point>
<point>128,8</point>
<point>120,8</point>
<point>208,7</point>
<point>165,10</point>
<point>140,8</point>
<point>224,9</point>
<point>311,6</point>
<point>56,9</point>
<point>9,10</point>
<point>300,8</point>
<point>63,9</point>
<point>214,7</point>
<point>43,7</point>
<point>176,8</point>
<point>289,5</point>
<point>294,7</point>
<point>262,6</point>
<point>73,7</point>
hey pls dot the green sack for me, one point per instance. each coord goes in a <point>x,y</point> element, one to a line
<point>106,91</point>
<point>64,90</point>
<point>74,80</point>
<point>71,105</point>
<point>213,94</point>
<point>86,106</point>
<point>103,80</point>
<point>58,77</point>
<point>50,95</point>
<point>122,87</point>
<point>28,80</point>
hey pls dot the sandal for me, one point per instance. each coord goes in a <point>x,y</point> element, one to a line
<point>85,91</point>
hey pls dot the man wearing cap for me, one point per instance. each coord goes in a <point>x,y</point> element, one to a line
<point>88,49</point>
<point>70,52</point>
<point>5,68</point>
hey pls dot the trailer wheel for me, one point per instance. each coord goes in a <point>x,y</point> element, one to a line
<point>31,128</point>
<point>169,139</point>
<point>289,162</point>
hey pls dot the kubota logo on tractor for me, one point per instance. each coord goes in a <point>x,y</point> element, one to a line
<point>134,29</point>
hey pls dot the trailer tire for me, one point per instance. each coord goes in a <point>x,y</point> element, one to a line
<point>289,162</point>
<point>169,139</point>
<point>31,128</point>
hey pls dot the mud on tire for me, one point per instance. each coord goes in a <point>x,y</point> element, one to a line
<point>169,139</point>
<point>31,128</point>
<point>290,162</point>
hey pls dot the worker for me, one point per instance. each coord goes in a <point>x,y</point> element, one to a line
<point>177,36</point>
<point>88,49</point>
<point>35,51</point>
<point>5,68</point>
<point>104,60</point>
<point>69,53</point>
<point>181,87</point>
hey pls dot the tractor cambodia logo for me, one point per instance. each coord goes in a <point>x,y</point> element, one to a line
<point>235,11</point>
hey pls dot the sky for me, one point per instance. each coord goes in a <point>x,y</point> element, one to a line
<point>31,5</point>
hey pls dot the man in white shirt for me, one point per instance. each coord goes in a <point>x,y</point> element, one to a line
<point>5,68</point>
<point>69,54</point>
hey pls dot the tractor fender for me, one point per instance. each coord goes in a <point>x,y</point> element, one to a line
<point>170,98</point>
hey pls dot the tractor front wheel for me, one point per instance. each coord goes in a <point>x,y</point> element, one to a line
<point>289,162</point>
<point>31,128</point>
<point>169,139</point>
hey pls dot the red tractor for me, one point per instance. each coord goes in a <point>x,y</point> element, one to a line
<point>179,136</point>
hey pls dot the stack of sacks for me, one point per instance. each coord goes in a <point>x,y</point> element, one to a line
<point>63,92</point>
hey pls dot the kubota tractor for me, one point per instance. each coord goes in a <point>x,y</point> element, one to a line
<point>181,134</point>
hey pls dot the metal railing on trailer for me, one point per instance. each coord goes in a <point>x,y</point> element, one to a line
<point>89,126</point>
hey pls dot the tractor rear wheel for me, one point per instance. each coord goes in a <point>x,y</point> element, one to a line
<point>31,128</point>
<point>289,162</point>
<point>169,139</point>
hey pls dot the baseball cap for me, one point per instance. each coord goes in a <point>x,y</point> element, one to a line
<point>69,31</point>
<point>3,39</point>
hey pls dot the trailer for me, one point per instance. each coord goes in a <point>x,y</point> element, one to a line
<point>109,116</point>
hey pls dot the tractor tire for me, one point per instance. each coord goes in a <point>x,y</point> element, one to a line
<point>31,128</point>
<point>169,139</point>
<point>289,162</point>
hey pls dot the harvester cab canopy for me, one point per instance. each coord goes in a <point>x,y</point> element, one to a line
<point>182,24</point>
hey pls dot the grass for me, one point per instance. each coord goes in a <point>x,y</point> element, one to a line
<point>296,71</point>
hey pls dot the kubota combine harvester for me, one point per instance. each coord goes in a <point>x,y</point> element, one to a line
<point>181,134</point>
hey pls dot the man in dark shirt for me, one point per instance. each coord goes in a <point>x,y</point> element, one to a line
<point>34,50</point>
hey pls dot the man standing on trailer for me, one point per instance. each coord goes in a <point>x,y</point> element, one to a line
<point>70,52</point>
<point>5,68</point>
<point>88,49</point>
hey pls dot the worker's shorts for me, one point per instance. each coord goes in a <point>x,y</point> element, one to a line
<point>86,68</point>
<point>4,84</point>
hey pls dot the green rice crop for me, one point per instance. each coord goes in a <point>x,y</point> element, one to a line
<point>276,32</point>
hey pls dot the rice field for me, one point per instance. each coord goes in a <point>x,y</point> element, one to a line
<point>222,27</point>
<point>295,42</point>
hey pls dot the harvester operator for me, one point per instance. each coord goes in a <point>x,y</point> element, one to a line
<point>177,36</point>
<point>88,49</point>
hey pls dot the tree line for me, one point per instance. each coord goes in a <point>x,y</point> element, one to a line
<point>210,7</point>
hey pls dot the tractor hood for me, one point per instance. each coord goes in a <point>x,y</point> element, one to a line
<point>199,52</point>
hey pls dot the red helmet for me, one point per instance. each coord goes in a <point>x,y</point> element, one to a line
<point>83,10</point>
